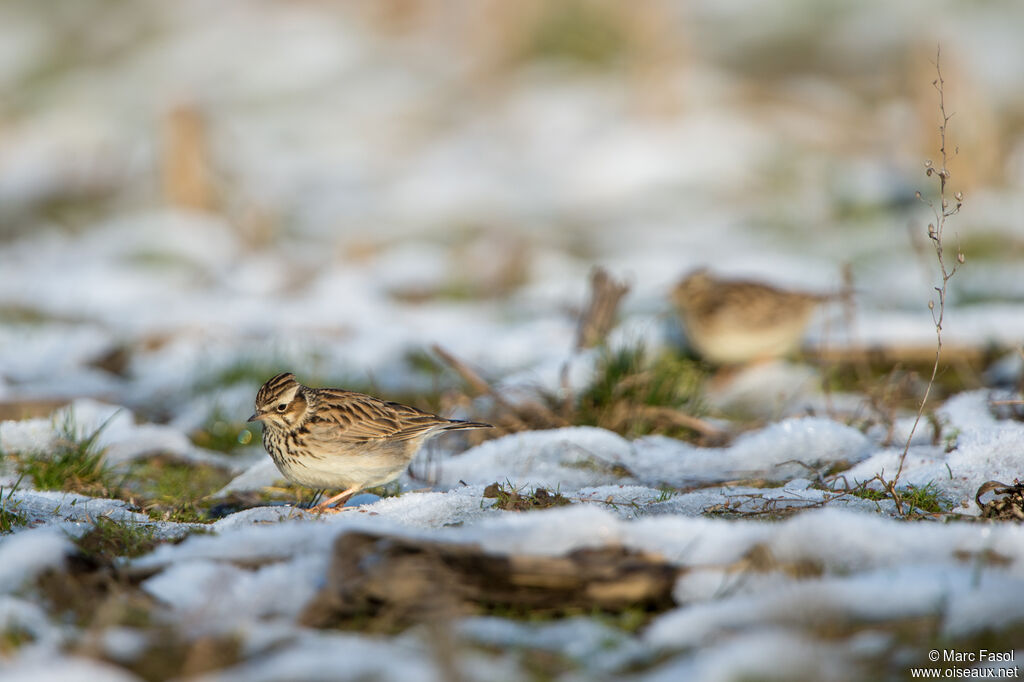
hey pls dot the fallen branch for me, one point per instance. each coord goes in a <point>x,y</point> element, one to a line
<point>381,582</point>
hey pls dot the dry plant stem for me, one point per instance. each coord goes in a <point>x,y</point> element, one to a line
<point>677,418</point>
<point>475,381</point>
<point>943,211</point>
<point>598,318</point>
<point>521,416</point>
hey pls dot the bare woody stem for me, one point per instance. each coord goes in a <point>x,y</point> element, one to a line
<point>945,209</point>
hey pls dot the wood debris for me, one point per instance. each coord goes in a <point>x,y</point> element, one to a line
<point>1008,505</point>
<point>385,583</point>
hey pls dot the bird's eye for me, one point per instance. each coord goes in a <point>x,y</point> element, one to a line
<point>282,407</point>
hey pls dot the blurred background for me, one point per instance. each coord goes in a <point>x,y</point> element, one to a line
<point>195,196</point>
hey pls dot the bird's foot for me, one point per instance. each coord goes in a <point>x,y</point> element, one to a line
<point>340,499</point>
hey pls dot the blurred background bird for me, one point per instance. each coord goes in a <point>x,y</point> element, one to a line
<point>735,321</point>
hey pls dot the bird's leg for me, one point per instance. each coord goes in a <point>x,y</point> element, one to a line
<point>317,495</point>
<point>340,497</point>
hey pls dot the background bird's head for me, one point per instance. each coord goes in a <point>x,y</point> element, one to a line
<point>695,286</point>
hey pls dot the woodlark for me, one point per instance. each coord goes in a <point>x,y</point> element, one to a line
<point>328,438</point>
<point>736,321</point>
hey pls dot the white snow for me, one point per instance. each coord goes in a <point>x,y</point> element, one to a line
<point>70,668</point>
<point>24,616</point>
<point>594,646</point>
<point>29,435</point>
<point>794,656</point>
<point>219,597</point>
<point>569,457</point>
<point>24,555</point>
<point>328,656</point>
<point>787,449</point>
<point>585,456</point>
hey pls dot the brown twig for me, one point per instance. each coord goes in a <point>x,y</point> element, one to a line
<point>519,417</point>
<point>598,318</point>
<point>468,374</point>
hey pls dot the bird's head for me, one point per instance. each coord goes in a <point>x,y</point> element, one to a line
<point>280,403</point>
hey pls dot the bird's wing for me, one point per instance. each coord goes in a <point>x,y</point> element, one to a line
<point>357,418</point>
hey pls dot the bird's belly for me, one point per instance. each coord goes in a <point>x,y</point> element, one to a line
<point>740,345</point>
<point>348,470</point>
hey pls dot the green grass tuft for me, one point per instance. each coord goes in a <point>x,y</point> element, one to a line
<point>9,520</point>
<point>74,465</point>
<point>9,516</point>
<point>869,494</point>
<point>925,498</point>
<point>629,389</point>
<point>109,539</point>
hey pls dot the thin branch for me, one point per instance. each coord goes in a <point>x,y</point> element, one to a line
<point>945,209</point>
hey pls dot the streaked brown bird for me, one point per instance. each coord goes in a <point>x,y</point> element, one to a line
<point>733,321</point>
<point>329,438</point>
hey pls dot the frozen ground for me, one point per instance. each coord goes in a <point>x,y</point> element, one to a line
<point>371,186</point>
<point>748,592</point>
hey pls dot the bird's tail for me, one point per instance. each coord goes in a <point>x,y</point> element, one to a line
<point>458,424</point>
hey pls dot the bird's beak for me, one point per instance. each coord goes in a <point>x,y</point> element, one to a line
<point>255,417</point>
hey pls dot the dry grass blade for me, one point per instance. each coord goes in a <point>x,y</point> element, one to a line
<point>468,374</point>
<point>521,416</point>
<point>676,418</point>
<point>630,393</point>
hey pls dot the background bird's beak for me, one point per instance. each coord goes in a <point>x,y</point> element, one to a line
<point>255,417</point>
